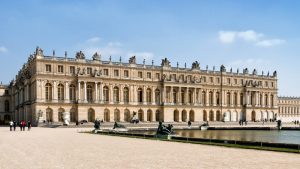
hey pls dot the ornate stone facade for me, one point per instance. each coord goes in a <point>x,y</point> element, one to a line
<point>47,86</point>
<point>288,108</point>
<point>5,104</point>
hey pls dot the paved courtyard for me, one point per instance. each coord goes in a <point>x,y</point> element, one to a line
<point>65,148</point>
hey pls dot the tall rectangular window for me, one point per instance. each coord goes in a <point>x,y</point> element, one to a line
<point>105,72</point>
<point>140,74</point>
<point>126,73</point>
<point>72,69</point>
<point>48,68</point>
<point>157,76</point>
<point>89,70</point>
<point>149,75</point>
<point>116,73</point>
<point>60,69</point>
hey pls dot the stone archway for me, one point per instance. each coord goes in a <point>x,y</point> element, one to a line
<point>91,115</point>
<point>253,116</point>
<point>192,116</point>
<point>127,117</point>
<point>157,115</point>
<point>176,116</point>
<point>184,116</point>
<point>117,115</point>
<point>106,115</point>
<point>141,115</point>
<point>49,114</point>
<point>218,116</point>
<point>234,116</point>
<point>73,115</point>
<point>204,115</point>
<point>149,115</point>
<point>60,114</point>
<point>211,116</point>
<point>227,116</point>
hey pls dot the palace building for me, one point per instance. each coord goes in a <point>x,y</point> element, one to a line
<point>47,86</point>
<point>288,108</point>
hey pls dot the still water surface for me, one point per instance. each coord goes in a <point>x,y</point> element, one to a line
<point>272,136</point>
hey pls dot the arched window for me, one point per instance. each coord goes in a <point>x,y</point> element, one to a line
<point>203,98</point>
<point>60,114</point>
<point>174,96</point>
<point>235,99</point>
<point>272,101</point>
<point>228,99</point>
<point>260,99</point>
<point>218,98</point>
<point>6,106</point>
<point>157,96</point>
<point>148,96</point>
<point>266,100</point>
<point>72,93</point>
<point>116,95</point>
<point>126,95</point>
<point>89,93</point>
<point>182,97</point>
<point>241,99</point>
<point>48,92</point>
<point>210,98</point>
<point>190,96</point>
<point>105,94</point>
<point>60,92</point>
<point>140,95</point>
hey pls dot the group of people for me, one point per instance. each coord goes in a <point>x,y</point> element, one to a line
<point>242,122</point>
<point>296,122</point>
<point>22,124</point>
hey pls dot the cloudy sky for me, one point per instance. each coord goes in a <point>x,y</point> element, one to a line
<point>256,34</point>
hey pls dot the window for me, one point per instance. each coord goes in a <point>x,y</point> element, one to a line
<point>60,68</point>
<point>105,72</point>
<point>210,98</point>
<point>116,95</point>
<point>48,92</point>
<point>126,95</point>
<point>6,106</point>
<point>228,99</point>
<point>272,84</point>
<point>72,69</point>
<point>157,96</point>
<point>140,95</point>
<point>126,73</point>
<point>211,79</point>
<point>218,80</point>
<point>266,84</point>
<point>6,92</point>
<point>89,70</point>
<point>204,79</point>
<point>89,93</point>
<point>48,68</point>
<point>140,74</point>
<point>116,73</point>
<point>60,92</point>
<point>105,94</point>
<point>235,81</point>
<point>148,75</point>
<point>72,94</point>
<point>157,76</point>
<point>148,96</point>
<point>228,80</point>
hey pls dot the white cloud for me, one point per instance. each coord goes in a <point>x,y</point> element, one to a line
<point>270,42</point>
<point>94,40</point>
<point>228,37</point>
<point>3,49</point>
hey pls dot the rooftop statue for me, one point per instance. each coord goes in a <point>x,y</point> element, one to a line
<point>195,65</point>
<point>275,73</point>
<point>96,56</point>
<point>254,72</point>
<point>80,55</point>
<point>165,62</point>
<point>132,60</point>
<point>164,130</point>
<point>246,71</point>
<point>39,51</point>
<point>222,68</point>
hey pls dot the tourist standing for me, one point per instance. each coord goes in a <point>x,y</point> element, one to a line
<point>11,123</point>
<point>20,125</point>
<point>29,125</point>
<point>24,125</point>
<point>15,125</point>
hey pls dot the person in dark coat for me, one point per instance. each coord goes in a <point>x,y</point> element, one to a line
<point>15,125</point>
<point>29,125</point>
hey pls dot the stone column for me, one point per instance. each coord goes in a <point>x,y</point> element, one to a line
<point>179,95</point>
<point>231,98</point>
<point>55,91</point>
<point>171,95</point>
<point>101,92</point>
<point>214,98</point>
<point>262,99</point>
<point>78,92</point>
<point>96,92</point>
<point>163,96</point>
<point>111,94</point>
<point>269,100</point>
<point>238,99</point>
<point>194,96</point>
<point>207,97</point>
<point>153,96</point>
<point>67,95</point>
<point>144,95</point>
<point>85,98</point>
<point>186,95</point>
<point>121,95</point>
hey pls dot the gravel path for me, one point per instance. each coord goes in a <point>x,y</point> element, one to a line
<point>65,148</point>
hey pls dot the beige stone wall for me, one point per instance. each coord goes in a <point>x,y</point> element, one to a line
<point>289,108</point>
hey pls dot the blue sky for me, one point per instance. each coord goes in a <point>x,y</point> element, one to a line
<point>256,34</point>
